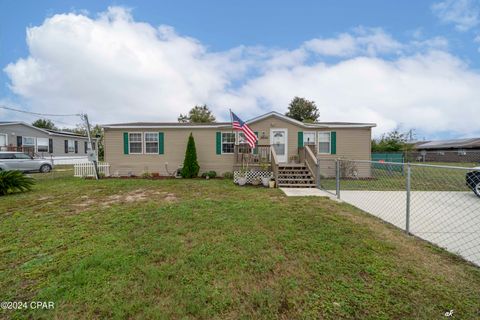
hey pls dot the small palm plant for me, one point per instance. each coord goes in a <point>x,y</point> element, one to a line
<point>14,181</point>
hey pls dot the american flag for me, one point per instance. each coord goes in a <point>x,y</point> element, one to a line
<point>242,126</point>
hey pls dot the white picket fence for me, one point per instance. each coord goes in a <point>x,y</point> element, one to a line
<point>87,169</point>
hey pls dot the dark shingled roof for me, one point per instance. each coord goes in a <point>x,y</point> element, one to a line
<point>66,133</point>
<point>177,124</point>
<point>450,144</point>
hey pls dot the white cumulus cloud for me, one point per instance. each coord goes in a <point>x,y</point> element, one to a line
<point>464,14</point>
<point>119,69</point>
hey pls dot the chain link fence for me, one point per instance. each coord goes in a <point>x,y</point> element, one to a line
<point>438,203</point>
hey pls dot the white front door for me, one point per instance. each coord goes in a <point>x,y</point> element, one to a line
<point>279,141</point>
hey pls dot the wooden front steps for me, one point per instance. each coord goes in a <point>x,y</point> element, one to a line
<point>295,176</point>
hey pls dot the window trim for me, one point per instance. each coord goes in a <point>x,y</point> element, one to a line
<point>315,134</point>
<point>6,139</point>
<point>130,141</point>
<point>238,144</point>
<point>145,142</point>
<point>47,145</point>
<point>329,142</point>
<point>237,137</point>
<point>73,146</point>
<point>234,142</point>
<point>29,145</point>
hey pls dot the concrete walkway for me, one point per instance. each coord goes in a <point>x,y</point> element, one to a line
<point>449,219</point>
<point>308,192</point>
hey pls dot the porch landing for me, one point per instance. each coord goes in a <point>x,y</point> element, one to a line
<point>308,192</point>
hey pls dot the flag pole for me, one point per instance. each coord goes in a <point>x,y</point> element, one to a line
<point>235,146</point>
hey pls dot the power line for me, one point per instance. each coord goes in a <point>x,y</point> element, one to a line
<point>41,114</point>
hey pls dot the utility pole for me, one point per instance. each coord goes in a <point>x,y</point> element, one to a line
<point>94,160</point>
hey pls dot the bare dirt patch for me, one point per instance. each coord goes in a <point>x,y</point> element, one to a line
<point>137,195</point>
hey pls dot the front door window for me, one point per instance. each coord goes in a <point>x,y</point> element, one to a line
<point>279,142</point>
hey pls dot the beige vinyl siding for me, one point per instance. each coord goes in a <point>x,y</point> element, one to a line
<point>271,123</point>
<point>175,144</point>
<point>352,143</point>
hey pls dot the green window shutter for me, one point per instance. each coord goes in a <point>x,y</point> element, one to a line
<point>255,150</point>
<point>125,143</point>
<point>333,142</point>
<point>219,142</point>
<point>300,139</point>
<point>161,144</point>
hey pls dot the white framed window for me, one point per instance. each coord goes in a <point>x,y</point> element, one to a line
<point>228,142</point>
<point>71,146</point>
<point>42,144</point>
<point>3,140</point>
<point>241,139</point>
<point>324,146</point>
<point>462,152</point>
<point>308,138</point>
<point>151,142</point>
<point>135,143</point>
<point>28,141</point>
<point>243,146</point>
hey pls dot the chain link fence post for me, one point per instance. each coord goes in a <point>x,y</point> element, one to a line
<point>337,177</point>
<point>318,174</point>
<point>407,217</point>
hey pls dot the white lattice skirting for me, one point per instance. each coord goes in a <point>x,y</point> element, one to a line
<point>252,175</point>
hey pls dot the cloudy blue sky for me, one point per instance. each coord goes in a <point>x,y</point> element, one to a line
<point>401,64</point>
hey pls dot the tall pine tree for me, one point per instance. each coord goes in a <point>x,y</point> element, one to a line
<point>190,164</point>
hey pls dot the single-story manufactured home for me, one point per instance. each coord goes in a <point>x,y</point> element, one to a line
<point>64,147</point>
<point>159,147</point>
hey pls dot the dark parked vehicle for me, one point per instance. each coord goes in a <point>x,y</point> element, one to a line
<point>10,160</point>
<point>473,180</point>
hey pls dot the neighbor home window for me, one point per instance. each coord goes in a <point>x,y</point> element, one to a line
<point>42,144</point>
<point>228,142</point>
<point>28,141</point>
<point>324,142</point>
<point>135,141</point>
<point>462,152</point>
<point>151,142</point>
<point>3,140</point>
<point>71,146</point>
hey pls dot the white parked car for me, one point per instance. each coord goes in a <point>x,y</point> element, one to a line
<point>10,160</point>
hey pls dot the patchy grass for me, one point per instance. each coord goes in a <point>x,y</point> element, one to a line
<point>197,249</point>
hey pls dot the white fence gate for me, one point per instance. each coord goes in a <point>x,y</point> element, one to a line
<point>87,169</point>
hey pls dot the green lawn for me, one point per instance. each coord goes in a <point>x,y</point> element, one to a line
<point>198,249</point>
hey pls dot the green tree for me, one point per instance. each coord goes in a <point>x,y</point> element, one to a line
<point>190,164</point>
<point>44,124</point>
<point>303,110</point>
<point>198,114</point>
<point>96,133</point>
<point>393,141</point>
